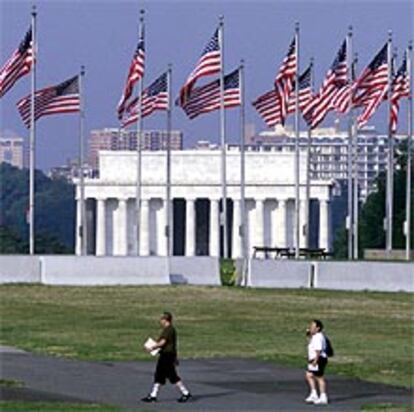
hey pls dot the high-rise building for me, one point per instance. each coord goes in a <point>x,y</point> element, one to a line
<point>116,139</point>
<point>12,151</point>
<point>329,152</point>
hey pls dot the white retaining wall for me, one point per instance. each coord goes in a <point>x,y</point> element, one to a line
<point>91,270</point>
<point>199,270</point>
<point>271,273</point>
<point>19,269</point>
<point>375,276</point>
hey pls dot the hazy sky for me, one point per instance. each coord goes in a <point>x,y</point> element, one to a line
<point>102,35</point>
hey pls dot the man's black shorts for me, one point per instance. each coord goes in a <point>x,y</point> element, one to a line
<point>321,367</point>
<point>166,369</point>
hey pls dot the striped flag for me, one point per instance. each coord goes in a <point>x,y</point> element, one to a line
<point>372,86</point>
<point>154,97</point>
<point>18,65</point>
<point>285,80</point>
<point>135,73</point>
<point>400,89</point>
<point>63,98</point>
<point>335,79</point>
<point>269,107</point>
<point>206,98</point>
<point>208,64</point>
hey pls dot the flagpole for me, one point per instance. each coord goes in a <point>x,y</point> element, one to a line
<point>223,140</point>
<point>168,229</point>
<point>243,229</point>
<point>139,143</point>
<point>409,154</point>
<point>32,143</point>
<point>356,173</point>
<point>308,155</point>
<point>349,223</point>
<point>83,231</point>
<point>388,206</point>
<point>297,158</point>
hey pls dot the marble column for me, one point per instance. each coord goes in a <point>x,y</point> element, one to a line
<point>100,227</point>
<point>303,224</point>
<point>259,218</point>
<point>144,228</point>
<point>78,247</point>
<point>161,233</point>
<point>282,207</point>
<point>236,238</point>
<point>190,227</point>
<point>324,224</point>
<point>214,228</point>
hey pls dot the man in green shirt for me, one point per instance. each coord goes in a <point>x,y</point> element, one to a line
<point>167,361</point>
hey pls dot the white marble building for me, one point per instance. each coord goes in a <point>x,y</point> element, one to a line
<point>196,193</point>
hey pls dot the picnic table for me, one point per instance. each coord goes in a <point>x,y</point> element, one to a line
<point>285,252</point>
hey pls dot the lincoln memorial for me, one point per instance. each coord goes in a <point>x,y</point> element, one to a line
<point>196,203</point>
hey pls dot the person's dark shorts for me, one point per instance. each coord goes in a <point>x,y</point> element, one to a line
<point>322,362</point>
<point>166,369</point>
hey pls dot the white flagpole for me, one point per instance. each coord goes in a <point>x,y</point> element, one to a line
<point>349,223</point>
<point>356,176</point>
<point>139,144</point>
<point>388,207</point>
<point>297,155</point>
<point>243,228</point>
<point>223,140</point>
<point>409,155</point>
<point>32,144</point>
<point>308,162</point>
<point>168,229</point>
<point>83,238</point>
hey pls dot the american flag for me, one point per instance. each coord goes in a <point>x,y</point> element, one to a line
<point>372,86</point>
<point>18,65</point>
<point>268,105</point>
<point>208,64</point>
<point>135,73</point>
<point>335,79</point>
<point>401,88</point>
<point>284,82</point>
<point>154,97</point>
<point>63,98</point>
<point>206,98</point>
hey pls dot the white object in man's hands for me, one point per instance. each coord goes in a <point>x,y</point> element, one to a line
<point>149,344</point>
<point>313,368</point>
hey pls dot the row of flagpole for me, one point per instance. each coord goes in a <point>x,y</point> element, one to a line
<point>353,197</point>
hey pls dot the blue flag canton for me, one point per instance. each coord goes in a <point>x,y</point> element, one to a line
<point>340,58</point>
<point>212,45</point>
<point>140,46</point>
<point>231,81</point>
<point>26,42</point>
<point>292,47</point>
<point>70,86</point>
<point>402,71</point>
<point>158,86</point>
<point>305,78</point>
<point>380,59</point>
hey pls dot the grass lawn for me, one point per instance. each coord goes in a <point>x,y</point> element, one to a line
<point>372,333</point>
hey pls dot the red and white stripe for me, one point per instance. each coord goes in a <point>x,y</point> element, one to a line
<point>149,105</point>
<point>47,103</point>
<point>17,66</point>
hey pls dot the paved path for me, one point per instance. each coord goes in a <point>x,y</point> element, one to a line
<point>217,385</point>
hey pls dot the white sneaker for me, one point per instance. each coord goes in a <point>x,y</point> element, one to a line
<point>312,398</point>
<point>322,400</point>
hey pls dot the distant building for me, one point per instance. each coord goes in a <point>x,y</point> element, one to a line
<point>205,145</point>
<point>12,151</point>
<point>329,152</point>
<point>70,171</point>
<point>114,139</point>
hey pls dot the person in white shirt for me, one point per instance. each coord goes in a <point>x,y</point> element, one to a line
<point>317,360</point>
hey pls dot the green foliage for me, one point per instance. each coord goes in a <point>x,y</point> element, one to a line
<point>227,272</point>
<point>54,212</point>
<point>371,332</point>
<point>34,406</point>
<point>372,213</point>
